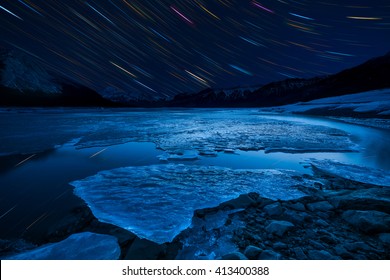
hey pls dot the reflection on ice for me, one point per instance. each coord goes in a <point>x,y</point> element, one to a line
<point>157,202</point>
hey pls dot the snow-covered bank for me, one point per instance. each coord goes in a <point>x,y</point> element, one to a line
<point>370,104</point>
<point>371,108</point>
<point>376,102</point>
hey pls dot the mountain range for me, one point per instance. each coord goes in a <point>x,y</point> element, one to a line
<point>24,81</point>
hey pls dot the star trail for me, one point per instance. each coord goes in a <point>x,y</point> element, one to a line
<point>162,48</point>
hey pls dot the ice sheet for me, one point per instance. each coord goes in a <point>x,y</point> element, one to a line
<point>206,132</point>
<point>80,246</point>
<point>157,202</point>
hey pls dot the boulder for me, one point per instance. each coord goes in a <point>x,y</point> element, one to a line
<point>364,199</point>
<point>234,256</point>
<point>310,234</point>
<point>342,252</point>
<point>369,222</point>
<point>322,206</point>
<point>385,238</point>
<point>357,246</point>
<point>243,201</point>
<point>251,252</point>
<point>321,223</point>
<point>299,254</point>
<point>280,246</point>
<point>316,245</point>
<point>327,237</point>
<point>279,228</point>
<point>321,255</point>
<point>295,217</point>
<point>269,255</point>
<point>143,249</point>
<point>297,206</point>
<point>274,209</point>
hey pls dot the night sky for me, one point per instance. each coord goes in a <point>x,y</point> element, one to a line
<point>166,47</point>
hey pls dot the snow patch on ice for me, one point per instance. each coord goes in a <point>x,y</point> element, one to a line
<point>157,202</point>
<point>80,246</point>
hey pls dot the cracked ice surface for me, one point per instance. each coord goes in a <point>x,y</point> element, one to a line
<point>175,131</point>
<point>208,132</point>
<point>157,202</point>
<point>355,173</point>
<point>80,246</point>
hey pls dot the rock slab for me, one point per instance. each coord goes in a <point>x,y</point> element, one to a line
<point>370,222</point>
<point>279,228</point>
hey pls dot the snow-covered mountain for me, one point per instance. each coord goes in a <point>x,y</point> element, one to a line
<point>131,99</point>
<point>25,74</point>
<point>26,81</point>
<point>237,91</point>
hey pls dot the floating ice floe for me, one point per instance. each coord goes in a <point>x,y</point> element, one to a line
<point>157,202</point>
<point>353,172</point>
<point>80,246</point>
<point>184,156</point>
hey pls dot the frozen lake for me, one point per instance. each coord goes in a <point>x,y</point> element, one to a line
<point>156,166</point>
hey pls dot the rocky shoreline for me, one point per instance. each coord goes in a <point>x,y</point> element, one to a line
<point>341,219</point>
<point>337,219</point>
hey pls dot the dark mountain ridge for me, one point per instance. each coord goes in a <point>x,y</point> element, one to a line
<point>371,75</point>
